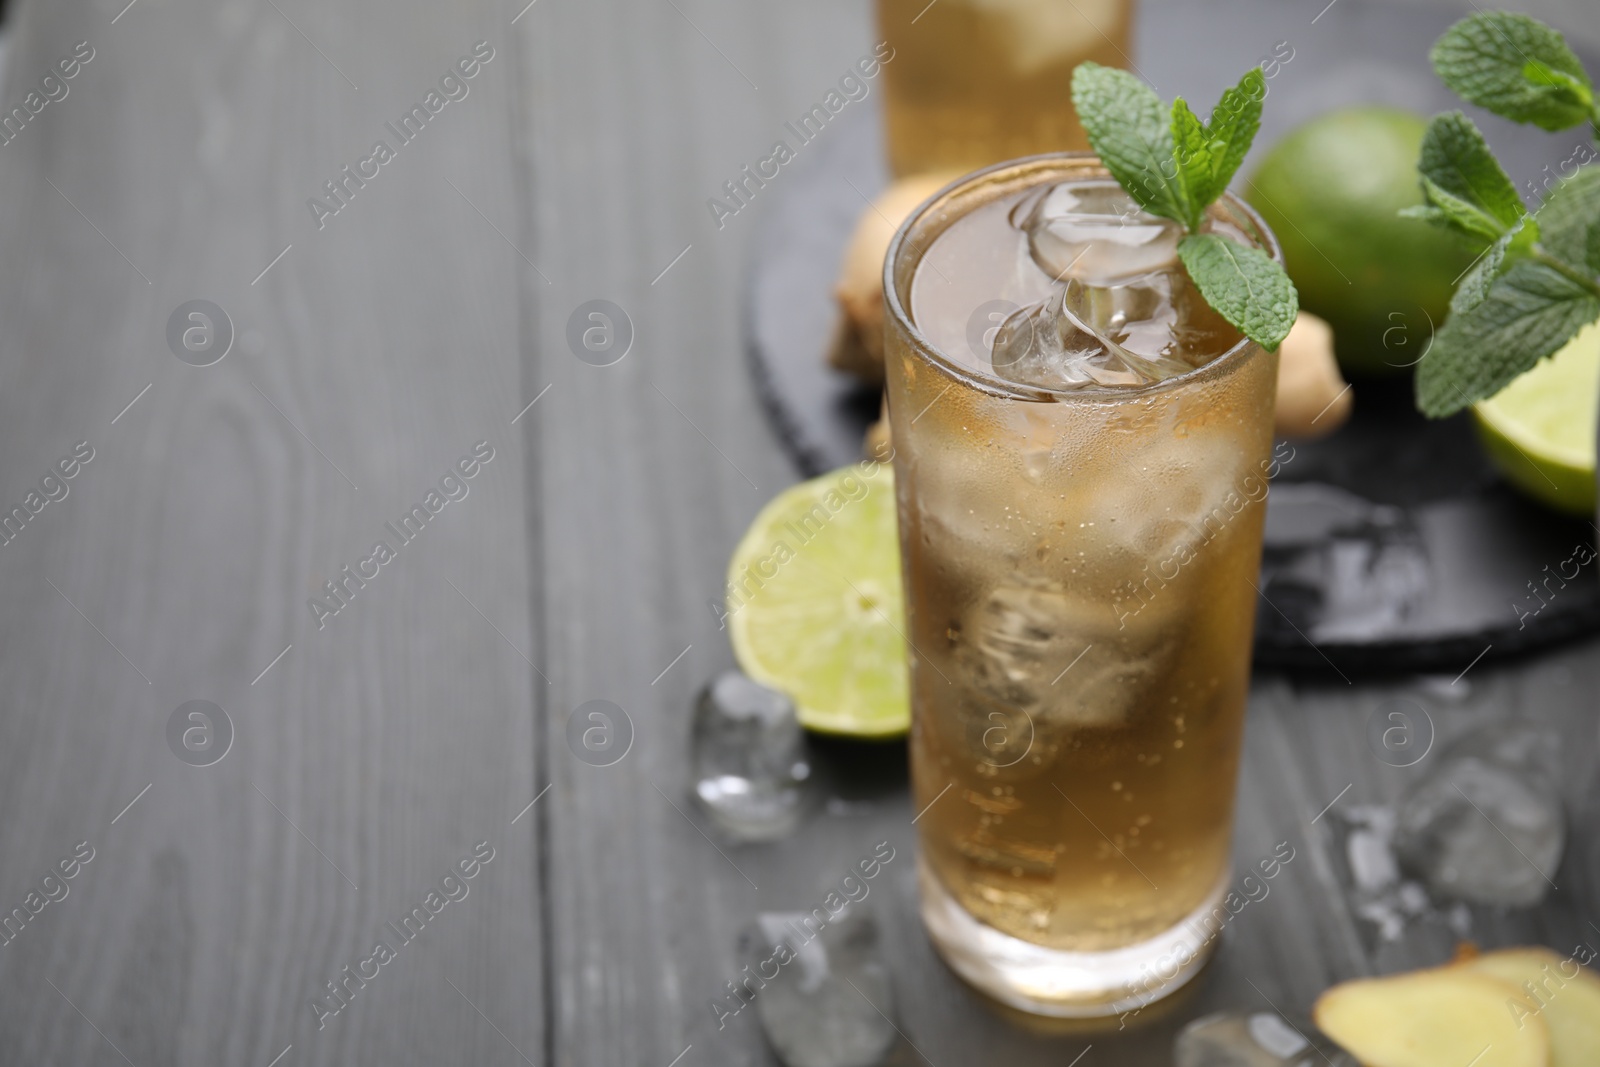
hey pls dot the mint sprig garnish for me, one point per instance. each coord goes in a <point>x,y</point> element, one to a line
<point>1517,67</point>
<point>1568,216</point>
<point>1462,181</point>
<point>1475,284</point>
<point>1529,313</point>
<point>1131,133</point>
<point>1176,166</point>
<point>1537,282</point>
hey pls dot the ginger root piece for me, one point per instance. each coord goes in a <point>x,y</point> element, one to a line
<point>847,353</point>
<point>857,346</point>
<point>1444,1017</point>
<point>1313,399</point>
<point>1564,994</point>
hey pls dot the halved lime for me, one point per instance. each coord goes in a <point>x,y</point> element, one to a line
<point>814,603</point>
<point>1540,429</point>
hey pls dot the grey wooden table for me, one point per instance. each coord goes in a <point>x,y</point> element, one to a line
<point>370,756</point>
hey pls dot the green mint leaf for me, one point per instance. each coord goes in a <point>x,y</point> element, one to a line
<point>1457,159</point>
<point>1458,214</point>
<point>1209,156</point>
<point>1594,247</point>
<point>1524,235</point>
<point>1429,214</point>
<point>1566,218</point>
<point>1474,285</point>
<point>1511,246</point>
<point>1512,65</point>
<point>1244,285</point>
<point>1527,314</point>
<point>1568,89</point>
<point>1129,131</point>
<point>1176,169</point>
<point>1196,158</point>
<point>1235,121</point>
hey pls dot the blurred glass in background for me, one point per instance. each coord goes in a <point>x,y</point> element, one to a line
<point>975,82</point>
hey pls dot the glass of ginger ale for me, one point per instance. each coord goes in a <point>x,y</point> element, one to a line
<point>974,82</point>
<point>1082,448</point>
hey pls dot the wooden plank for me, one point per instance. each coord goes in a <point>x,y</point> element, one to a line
<point>376,751</point>
<point>650,468</point>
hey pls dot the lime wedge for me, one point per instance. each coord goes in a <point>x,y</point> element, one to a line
<point>814,603</point>
<point>1540,429</point>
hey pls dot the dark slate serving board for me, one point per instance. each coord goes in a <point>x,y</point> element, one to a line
<point>1392,546</point>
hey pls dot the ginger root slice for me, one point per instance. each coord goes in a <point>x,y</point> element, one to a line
<point>1444,1017</point>
<point>1564,993</point>
<point>847,352</point>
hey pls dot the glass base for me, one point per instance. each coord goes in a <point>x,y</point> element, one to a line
<point>1049,981</point>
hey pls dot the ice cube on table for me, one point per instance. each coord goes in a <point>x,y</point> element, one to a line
<point>831,1004</point>
<point>1368,831</point>
<point>1361,568</point>
<point>1379,892</point>
<point>749,757</point>
<point>1252,1039</point>
<point>1485,824</point>
<point>1367,849</point>
<point>1095,232</point>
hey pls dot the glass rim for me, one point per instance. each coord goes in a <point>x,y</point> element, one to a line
<point>988,382</point>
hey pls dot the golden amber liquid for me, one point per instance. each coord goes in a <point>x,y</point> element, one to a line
<point>975,82</point>
<point>1080,605</point>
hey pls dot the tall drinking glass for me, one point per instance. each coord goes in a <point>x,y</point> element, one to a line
<point>1079,560</point>
<point>974,82</point>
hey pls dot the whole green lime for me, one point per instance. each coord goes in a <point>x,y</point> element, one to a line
<point>1331,190</point>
